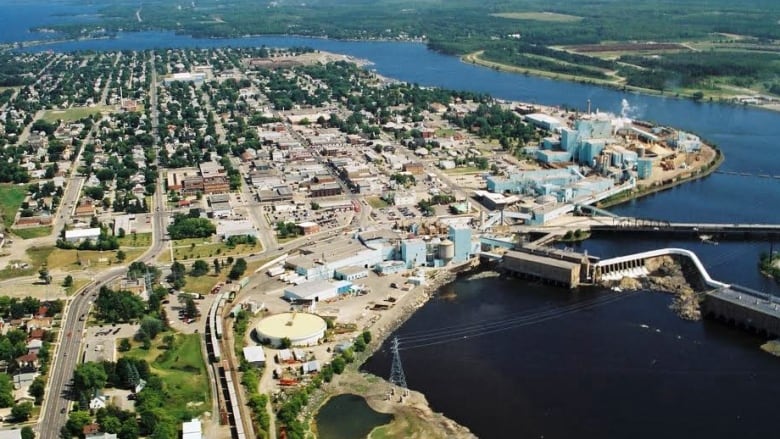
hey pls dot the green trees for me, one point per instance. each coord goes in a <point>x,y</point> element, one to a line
<point>44,276</point>
<point>186,227</point>
<point>284,229</point>
<point>6,391</point>
<point>151,326</point>
<point>22,411</point>
<point>238,269</point>
<point>177,276</point>
<point>88,378</point>
<point>37,389</point>
<point>199,268</point>
<point>28,432</point>
<point>118,306</point>
<point>68,281</point>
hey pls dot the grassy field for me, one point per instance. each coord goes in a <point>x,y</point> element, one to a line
<point>136,240</point>
<point>32,232</point>
<point>183,372</point>
<point>37,257</point>
<point>11,197</point>
<point>73,114</point>
<point>465,170</point>
<point>204,284</point>
<point>199,248</point>
<point>551,17</point>
<point>376,202</point>
<point>77,284</point>
<point>68,260</point>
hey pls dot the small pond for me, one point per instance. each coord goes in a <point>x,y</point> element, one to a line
<point>348,417</point>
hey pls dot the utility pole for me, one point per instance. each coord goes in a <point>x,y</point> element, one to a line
<point>397,377</point>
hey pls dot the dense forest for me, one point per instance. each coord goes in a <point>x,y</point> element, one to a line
<point>527,34</point>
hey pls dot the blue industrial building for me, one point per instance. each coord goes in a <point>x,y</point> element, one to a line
<point>644,168</point>
<point>413,252</point>
<point>461,237</point>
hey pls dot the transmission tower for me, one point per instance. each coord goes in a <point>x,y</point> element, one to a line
<point>397,371</point>
<point>148,280</point>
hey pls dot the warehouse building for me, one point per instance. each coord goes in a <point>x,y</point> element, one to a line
<point>255,355</point>
<point>546,268</point>
<point>317,290</point>
<point>77,235</point>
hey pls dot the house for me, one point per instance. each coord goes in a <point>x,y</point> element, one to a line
<point>34,345</point>
<point>39,323</point>
<point>98,402</point>
<point>90,429</point>
<point>28,361</point>
<point>22,380</point>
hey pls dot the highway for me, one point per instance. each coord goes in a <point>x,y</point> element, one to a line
<point>68,353</point>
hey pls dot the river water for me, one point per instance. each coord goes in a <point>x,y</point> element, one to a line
<point>627,368</point>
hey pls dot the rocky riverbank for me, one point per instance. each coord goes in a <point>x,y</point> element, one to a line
<point>666,275</point>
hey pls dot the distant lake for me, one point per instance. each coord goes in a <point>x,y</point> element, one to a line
<point>17,17</point>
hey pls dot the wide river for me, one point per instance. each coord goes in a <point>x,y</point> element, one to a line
<point>555,364</point>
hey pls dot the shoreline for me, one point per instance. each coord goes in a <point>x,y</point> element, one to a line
<point>474,59</point>
<point>415,410</point>
<point>653,189</point>
<point>470,58</point>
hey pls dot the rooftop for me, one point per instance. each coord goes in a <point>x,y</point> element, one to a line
<point>291,325</point>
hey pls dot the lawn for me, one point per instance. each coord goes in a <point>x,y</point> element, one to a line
<point>204,284</point>
<point>75,113</point>
<point>183,372</point>
<point>551,17</point>
<point>78,283</point>
<point>376,202</point>
<point>198,248</point>
<point>11,197</point>
<point>136,240</point>
<point>32,232</point>
<point>75,260</point>
<point>465,170</point>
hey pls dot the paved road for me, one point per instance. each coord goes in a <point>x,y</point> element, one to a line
<point>53,417</point>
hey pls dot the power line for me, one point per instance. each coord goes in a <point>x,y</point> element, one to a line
<point>507,325</point>
<point>397,376</point>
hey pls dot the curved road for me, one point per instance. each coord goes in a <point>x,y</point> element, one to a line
<point>54,412</point>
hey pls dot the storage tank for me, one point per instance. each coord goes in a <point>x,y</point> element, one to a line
<point>446,250</point>
<point>640,151</point>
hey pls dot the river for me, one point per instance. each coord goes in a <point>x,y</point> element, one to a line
<point>628,368</point>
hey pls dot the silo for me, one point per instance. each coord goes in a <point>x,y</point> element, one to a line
<point>446,250</point>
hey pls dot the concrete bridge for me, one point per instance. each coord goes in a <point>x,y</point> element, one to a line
<point>724,230</point>
<point>735,304</point>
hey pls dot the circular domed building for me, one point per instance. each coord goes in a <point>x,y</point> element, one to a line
<point>302,329</point>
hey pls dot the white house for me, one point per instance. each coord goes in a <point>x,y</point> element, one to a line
<point>98,402</point>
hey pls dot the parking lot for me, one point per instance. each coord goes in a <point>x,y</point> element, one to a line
<point>100,341</point>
